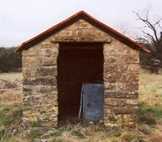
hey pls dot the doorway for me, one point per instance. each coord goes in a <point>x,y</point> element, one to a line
<point>78,63</point>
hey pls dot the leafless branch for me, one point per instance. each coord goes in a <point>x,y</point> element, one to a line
<point>153,27</point>
<point>150,36</point>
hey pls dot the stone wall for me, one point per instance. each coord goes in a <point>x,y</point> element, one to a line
<point>121,71</point>
<point>40,84</point>
<point>81,31</point>
<point>120,76</point>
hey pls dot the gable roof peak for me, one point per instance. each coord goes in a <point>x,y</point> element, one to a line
<point>80,15</point>
<point>81,12</point>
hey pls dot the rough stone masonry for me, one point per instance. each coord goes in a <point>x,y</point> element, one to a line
<point>121,71</point>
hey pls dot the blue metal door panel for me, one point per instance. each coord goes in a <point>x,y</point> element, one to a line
<point>93,99</point>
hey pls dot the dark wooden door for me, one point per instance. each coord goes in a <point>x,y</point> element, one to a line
<point>93,100</point>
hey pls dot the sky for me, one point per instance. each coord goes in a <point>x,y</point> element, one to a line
<point>20,20</point>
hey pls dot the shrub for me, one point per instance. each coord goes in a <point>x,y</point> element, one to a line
<point>149,114</point>
<point>10,61</point>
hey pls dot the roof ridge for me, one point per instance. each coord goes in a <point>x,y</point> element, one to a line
<point>80,15</point>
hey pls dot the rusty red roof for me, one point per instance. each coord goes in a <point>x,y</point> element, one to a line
<point>71,20</point>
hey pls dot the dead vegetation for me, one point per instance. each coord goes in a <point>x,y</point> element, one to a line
<point>10,88</point>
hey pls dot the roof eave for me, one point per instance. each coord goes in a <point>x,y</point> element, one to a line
<point>72,19</point>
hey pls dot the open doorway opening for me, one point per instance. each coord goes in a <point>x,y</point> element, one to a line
<point>78,63</point>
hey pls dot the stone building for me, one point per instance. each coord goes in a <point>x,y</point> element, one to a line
<point>81,50</point>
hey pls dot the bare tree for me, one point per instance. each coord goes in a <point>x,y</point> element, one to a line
<point>152,36</point>
<point>151,30</point>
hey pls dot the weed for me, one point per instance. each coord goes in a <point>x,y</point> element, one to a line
<point>79,134</point>
<point>9,116</point>
<point>149,114</point>
<point>131,137</point>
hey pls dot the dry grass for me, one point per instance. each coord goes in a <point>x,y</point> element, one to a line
<point>10,88</point>
<point>150,88</point>
<point>150,99</point>
<point>10,76</point>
